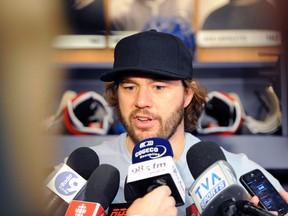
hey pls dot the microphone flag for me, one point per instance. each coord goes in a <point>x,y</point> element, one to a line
<point>83,208</point>
<point>214,186</point>
<point>66,183</point>
<point>153,165</point>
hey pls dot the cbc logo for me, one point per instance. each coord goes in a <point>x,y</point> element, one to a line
<point>67,183</point>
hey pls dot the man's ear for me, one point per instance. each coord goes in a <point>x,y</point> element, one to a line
<point>188,97</point>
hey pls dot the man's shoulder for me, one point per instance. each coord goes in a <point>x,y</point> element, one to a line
<point>191,139</point>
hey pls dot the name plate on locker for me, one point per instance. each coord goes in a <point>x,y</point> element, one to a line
<point>116,36</point>
<point>80,42</point>
<point>238,38</point>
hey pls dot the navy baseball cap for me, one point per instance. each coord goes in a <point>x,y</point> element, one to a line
<point>151,53</point>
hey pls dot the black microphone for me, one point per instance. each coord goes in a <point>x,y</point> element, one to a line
<point>84,161</point>
<point>121,208</point>
<point>100,191</point>
<point>241,208</point>
<point>215,185</point>
<point>103,185</point>
<point>70,179</point>
<point>153,165</point>
<point>129,195</point>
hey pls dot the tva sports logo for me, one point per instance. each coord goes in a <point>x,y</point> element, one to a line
<point>211,183</point>
<point>209,188</point>
<point>150,149</point>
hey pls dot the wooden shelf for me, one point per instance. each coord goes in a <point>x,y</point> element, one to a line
<point>257,54</point>
<point>251,54</point>
<point>80,56</point>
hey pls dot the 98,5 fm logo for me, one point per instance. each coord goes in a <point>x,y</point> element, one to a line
<point>148,167</point>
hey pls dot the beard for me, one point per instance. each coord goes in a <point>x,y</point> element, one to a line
<point>167,128</point>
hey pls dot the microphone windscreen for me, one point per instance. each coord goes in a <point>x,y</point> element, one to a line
<point>102,185</point>
<point>151,148</point>
<point>202,155</point>
<point>84,161</point>
<point>129,195</point>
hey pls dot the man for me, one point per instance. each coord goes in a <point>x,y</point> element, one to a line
<point>153,94</point>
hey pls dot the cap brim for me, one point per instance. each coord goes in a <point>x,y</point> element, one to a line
<point>116,74</point>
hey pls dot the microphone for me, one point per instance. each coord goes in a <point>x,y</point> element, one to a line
<point>84,161</point>
<point>71,178</point>
<point>129,194</point>
<point>101,189</point>
<point>103,185</point>
<point>152,166</point>
<point>121,208</point>
<point>215,188</point>
<point>241,208</point>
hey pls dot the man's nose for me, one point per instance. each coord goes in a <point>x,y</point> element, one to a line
<point>144,98</point>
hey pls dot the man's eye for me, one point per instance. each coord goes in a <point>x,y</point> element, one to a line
<point>159,87</point>
<point>129,88</point>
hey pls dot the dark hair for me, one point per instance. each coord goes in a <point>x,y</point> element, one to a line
<point>191,113</point>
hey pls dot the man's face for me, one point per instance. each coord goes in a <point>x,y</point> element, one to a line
<point>152,108</point>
